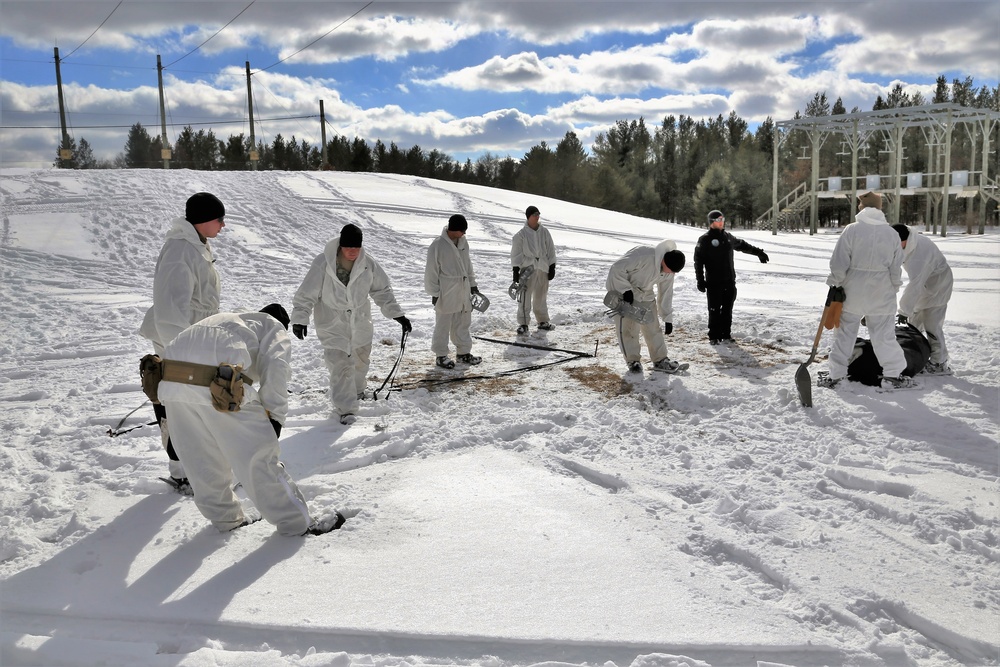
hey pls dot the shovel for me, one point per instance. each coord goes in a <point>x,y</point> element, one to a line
<point>802,379</point>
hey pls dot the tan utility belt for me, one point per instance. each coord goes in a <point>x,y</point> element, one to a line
<point>225,381</point>
<point>202,375</point>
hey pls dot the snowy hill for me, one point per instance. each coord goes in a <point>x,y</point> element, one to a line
<point>573,514</point>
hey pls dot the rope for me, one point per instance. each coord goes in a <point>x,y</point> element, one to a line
<point>117,430</point>
<point>392,371</point>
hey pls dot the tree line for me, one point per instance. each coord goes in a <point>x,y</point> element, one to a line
<point>676,170</point>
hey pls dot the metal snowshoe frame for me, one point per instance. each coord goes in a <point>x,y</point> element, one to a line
<point>617,306</point>
<point>519,287</point>
<point>480,302</point>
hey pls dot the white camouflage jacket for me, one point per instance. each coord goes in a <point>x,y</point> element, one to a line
<point>257,341</point>
<point>449,275</point>
<point>343,313</point>
<point>639,270</point>
<point>867,263</point>
<point>186,285</point>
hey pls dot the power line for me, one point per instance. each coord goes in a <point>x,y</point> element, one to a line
<point>318,38</point>
<point>95,30</point>
<point>212,37</point>
<point>109,127</point>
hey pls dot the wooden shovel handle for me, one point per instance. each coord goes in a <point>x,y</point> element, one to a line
<point>819,331</point>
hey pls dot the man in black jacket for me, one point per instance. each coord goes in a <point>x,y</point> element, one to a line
<point>713,266</point>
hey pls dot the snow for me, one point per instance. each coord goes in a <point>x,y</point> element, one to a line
<point>571,515</point>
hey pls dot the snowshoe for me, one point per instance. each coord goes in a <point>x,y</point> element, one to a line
<point>326,524</point>
<point>937,369</point>
<point>823,379</point>
<point>901,382</point>
<point>469,359</point>
<point>666,365</point>
<point>444,362</point>
<point>181,485</point>
<point>546,326</point>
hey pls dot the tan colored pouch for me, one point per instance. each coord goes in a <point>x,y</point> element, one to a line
<point>227,388</point>
<point>150,374</point>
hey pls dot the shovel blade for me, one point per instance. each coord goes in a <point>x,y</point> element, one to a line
<point>804,384</point>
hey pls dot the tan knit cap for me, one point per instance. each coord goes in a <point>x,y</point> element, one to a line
<point>871,200</point>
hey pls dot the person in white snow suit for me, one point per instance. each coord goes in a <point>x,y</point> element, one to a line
<point>242,444</point>
<point>532,248</point>
<point>924,302</point>
<point>337,292</point>
<point>634,276</point>
<point>185,289</point>
<point>866,263</point>
<point>716,274</point>
<point>450,281</point>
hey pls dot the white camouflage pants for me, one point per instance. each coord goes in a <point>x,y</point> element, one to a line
<point>535,299</point>
<point>651,331</point>
<point>881,330</point>
<point>348,376</point>
<point>454,326</point>
<point>931,322</point>
<point>215,446</point>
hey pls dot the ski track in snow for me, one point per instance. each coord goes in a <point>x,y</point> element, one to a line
<point>768,501</point>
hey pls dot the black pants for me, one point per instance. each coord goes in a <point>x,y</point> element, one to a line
<point>720,310</point>
<point>160,413</point>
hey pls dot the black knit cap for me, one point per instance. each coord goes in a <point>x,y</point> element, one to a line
<point>351,236</point>
<point>902,230</point>
<point>278,312</point>
<point>714,215</point>
<point>530,211</point>
<point>203,207</point>
<point>674,259</point>
<point>457,223</point>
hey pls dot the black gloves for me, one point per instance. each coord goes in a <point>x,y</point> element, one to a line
<point>701,286</point>
<point>434,300</point>
<point>300,331</point>
<point>668,328</point>
<point>405,323</point>
<point>902,319</point>
<point>517,273</point>
<point>835,294</point>
<point>762,257</point>
<point>475,290</point>
<point>277,427</point>
<point>628,297</point>
<point>552,271</point>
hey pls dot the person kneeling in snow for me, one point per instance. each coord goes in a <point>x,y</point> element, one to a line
<point>634,276</point>
<point>216,441</point>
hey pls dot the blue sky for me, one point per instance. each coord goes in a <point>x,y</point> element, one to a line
<point>464,77</point>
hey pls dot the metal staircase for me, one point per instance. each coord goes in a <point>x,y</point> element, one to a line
<point>791,210</point>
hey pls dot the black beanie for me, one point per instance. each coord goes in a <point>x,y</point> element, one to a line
<point>674,259</point>
<point>902,230</point>
<point>277,311</point>
<point>351,236</point>
<point>203,207</point>
<point>457,223</point>
<point>714,215</point>
<point>531,210</point>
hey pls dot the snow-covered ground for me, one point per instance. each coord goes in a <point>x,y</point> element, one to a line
<point>571,515</point>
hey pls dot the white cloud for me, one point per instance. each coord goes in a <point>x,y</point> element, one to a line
<point>561,65</point>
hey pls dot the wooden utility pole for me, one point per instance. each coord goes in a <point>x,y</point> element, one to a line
<point>322,126</point>
<point>65,150</point>
<point>164,145</point>
<point>254,155</point>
